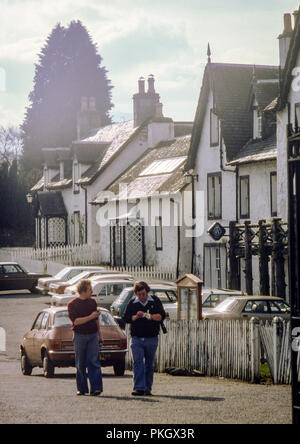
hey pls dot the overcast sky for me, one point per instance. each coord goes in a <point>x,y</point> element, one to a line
<point>167,38</point>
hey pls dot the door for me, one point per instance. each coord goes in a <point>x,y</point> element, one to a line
<point>30,337</point>
<point>215,266</point>
<point>14,278</point>
<point>39,337</point>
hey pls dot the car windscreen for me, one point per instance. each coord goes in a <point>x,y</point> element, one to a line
<point>62,273</point>
<point>61,319</point>
<point>227,305</point>
<point>78,277</point>
<point>214,300</point>
<point>122,297</point>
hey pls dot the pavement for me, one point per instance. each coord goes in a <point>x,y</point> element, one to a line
<point>176,400</point>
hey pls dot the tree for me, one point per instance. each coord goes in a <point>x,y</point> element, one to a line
<point>10,144</point>
<point>69,68</point>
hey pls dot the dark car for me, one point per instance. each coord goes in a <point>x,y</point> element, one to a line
<point>14,277</point>
<point>49,343</point>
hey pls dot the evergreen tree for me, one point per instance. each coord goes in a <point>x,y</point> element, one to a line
<point>69,67</point>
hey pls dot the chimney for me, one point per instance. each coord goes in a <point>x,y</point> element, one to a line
<point>145,103</point>
<point>141,85</point>
<point>151,89</point>
<point>285,39</point>
<point>88,117</point>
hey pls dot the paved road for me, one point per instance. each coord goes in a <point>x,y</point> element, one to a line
<point>177,400</point>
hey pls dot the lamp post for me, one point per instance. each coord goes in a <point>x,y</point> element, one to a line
<point>29,198</point>
<point>191,178</point>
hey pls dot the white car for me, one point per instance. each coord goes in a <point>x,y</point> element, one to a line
<point>65,274</point>
<point>106,288</point>
<point>60,287</point>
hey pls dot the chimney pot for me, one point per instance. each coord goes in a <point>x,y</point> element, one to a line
<point>141,85</point>
<point>151,88</point>
<point>287,24</point>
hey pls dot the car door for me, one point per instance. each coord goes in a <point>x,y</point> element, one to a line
<point>29,339</point>
<point>39,337</point>
<point>14,278</point>
<point>256,308</point>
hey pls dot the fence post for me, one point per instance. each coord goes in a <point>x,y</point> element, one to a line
<point>276,347</point>
<point>255,350</point>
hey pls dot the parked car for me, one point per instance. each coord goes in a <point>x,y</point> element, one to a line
<point>265,308</point>
<point>105,290</point>
<point>60,287</point>
<point>14,277</point>
<point>166,293</point>
<point>49,343</point>
<point>212,298</point>
<point>64,275</point>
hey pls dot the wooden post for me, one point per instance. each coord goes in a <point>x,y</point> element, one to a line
<point>278,255</point>
<point>234,283</point>
<point>248,258</point>
<point>264,278</point>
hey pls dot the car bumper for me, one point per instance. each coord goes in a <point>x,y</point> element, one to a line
<point>43,290</point>
<point>67,358</point>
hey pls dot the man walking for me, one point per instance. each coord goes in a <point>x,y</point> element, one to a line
<point>87,335</point>
<point>145,314</point>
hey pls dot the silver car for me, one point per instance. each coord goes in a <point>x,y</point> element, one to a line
<point>265,308</point>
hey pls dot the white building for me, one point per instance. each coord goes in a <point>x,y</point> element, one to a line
<point>233,152</point>
<point>74,176</point>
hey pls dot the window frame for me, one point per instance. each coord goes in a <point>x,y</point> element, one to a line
<point>241,178</point>
<point>214,143</point>
<point>273,213</point>
<point>158,234</point>
<point>215,216</point>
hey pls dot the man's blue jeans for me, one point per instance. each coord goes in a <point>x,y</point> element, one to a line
<point>87,356</point>
<point>143,352</point>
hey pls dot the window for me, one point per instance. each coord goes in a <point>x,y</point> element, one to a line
<point>76,177</point>
<point>214,129</point>
<point>11,269</point>
<point>256,307</point>
<point>297,117</point>
<point>44,321</point>
<point>158,234</point>
<point>244,197</point>
<point>273,180</point>
<point>214,196</point>
<point>37,324</point>
<point>259,125</point>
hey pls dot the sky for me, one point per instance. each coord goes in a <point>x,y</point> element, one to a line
<point>166,38</point>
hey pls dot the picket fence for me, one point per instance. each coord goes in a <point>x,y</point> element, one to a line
<point>229,349</point>
<point>83,255</point>
<point>149,273</point>
<point>68,255</point>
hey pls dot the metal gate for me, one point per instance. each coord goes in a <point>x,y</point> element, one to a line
<point>294,255</point>
<point>127,244</point>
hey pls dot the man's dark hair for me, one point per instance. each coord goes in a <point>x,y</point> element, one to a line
<point>141,285</point>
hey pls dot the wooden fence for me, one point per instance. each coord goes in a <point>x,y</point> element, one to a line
<point>149,273</point>
<point>229,349</point>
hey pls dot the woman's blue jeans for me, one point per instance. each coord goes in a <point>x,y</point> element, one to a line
<point>143,352</point>
<point>87,356</point>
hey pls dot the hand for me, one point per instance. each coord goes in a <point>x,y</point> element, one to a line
<point>140,314</point>
<point>95,315</point>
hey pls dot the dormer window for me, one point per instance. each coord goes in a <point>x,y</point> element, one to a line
<point>214,129</point>
<point>257,123</point>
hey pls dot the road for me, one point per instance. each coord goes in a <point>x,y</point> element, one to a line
<point>176,400</point>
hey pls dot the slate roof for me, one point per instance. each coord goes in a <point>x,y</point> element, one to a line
<point>265,93</point>
<point>146,186</point>
<point>51,204</point>
<point>117,136</point>
<point>231,85</point>
<point>257,151</point>
<point>286,74</point>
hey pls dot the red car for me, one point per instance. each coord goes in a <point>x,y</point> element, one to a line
<point>49,343</point>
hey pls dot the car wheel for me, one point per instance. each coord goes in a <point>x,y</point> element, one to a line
<point>48,367</point>
<point>25,366</point>
<point>119,367</point>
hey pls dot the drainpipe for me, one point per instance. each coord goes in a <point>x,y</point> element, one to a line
<point>85,210</point>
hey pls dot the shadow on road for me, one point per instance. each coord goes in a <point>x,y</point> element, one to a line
<point>155,398</point>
